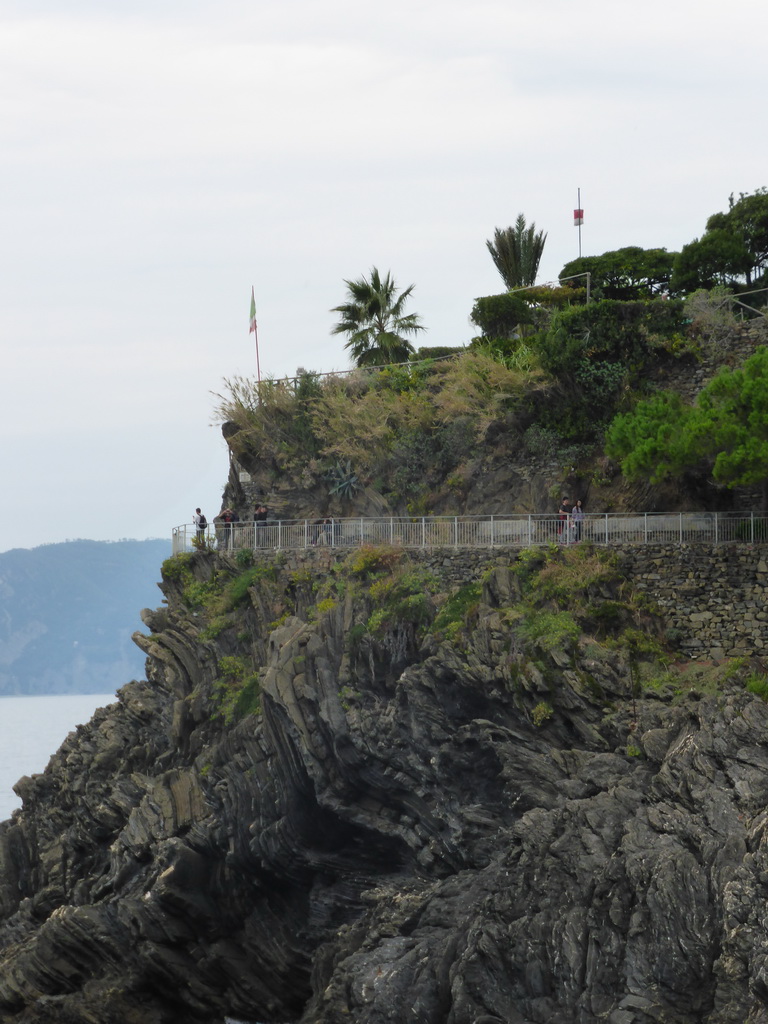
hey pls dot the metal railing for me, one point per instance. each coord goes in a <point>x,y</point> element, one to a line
<point>487,531</point>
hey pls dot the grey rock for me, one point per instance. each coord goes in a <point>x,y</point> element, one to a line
<point>391,838</point>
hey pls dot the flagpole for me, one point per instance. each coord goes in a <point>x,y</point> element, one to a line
<point>258,368</point>
<point>253,329</point>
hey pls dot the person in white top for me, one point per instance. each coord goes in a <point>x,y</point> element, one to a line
<point>201,524</point>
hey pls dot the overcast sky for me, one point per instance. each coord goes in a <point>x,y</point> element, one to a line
<point>159,158</point>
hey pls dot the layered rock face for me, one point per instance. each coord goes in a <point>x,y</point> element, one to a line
<point>410,829</point>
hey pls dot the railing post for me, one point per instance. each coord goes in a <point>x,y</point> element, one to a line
<point>306,534</point>
<point>606,529</point>
<point>423,533</point>
<point>530,532</point>
<point>681,526</point>
<point>717,527</point>
<point>645,527</point>
<point>361,532</point>
<point>279,533</point>
<point>751,527</point>
<point>455,531</point>
<point>493,539</point>
<point>391,530</point>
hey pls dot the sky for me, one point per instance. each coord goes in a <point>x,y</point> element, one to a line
<point>158,159</point>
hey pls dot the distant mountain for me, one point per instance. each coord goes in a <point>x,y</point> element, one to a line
<point>67,612</point>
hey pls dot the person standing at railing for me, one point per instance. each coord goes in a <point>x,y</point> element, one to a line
<point>260,519</point>
<point>321,531</point>
<point>564,521</point>
<point>577,515</point>
<point>228,519</point>
<point>201,525</point>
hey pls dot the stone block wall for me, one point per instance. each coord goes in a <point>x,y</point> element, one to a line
<point>714,595</point>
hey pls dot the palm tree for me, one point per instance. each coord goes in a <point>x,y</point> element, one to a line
<point>517,253</point>
<point>374,320</point>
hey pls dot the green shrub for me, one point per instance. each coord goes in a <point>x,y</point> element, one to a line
<point>355,636</point>
<point>454,613</point>
<point>549,630</point>
<point>498,316</point>
<point>640,646</point>
<point>237,691</point>
<point>244,558</point>
<point>596,352</point>
<point>757,683</point>
<point>370,560</point>
<point>177,567</point>
<point>541,714</point>
<point>236,591</point>
<point>529,564</point>
<point>606,616</point>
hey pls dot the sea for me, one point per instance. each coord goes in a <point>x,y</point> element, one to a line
<point>32,729</point>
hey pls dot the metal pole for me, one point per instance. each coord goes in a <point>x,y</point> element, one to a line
<point>253,329</point>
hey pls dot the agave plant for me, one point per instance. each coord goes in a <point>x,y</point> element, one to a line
<point>344,480</point>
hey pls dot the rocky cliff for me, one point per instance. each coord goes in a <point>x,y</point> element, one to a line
<point>352,791</point>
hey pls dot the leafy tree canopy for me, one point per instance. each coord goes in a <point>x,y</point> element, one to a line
<point>648,442</point>
<point>728,427</point>
<point>717,259</point>
<point>624,274</point>
<point>733,250</point>
<point>747,221</point>
<point>374,320</point>
<point>516,253</point>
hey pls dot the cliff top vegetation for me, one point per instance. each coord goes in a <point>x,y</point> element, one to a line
<point>539,387</point>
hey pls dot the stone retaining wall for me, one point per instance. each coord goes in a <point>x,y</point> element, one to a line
<point>713,596</point>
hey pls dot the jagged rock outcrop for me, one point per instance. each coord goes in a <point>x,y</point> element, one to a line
<point>410,829</point>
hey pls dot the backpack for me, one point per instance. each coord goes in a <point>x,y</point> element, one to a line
<point>203,523</point>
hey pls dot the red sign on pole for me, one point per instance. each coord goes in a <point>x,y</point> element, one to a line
<point>578,218</point>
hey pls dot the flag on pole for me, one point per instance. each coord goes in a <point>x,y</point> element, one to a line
<point>252,328</point>
<point>578,218</point>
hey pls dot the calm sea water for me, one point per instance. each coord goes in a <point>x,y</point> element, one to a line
<point>33,728</point>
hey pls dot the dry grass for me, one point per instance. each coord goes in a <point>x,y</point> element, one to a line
<point>358,417</point>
